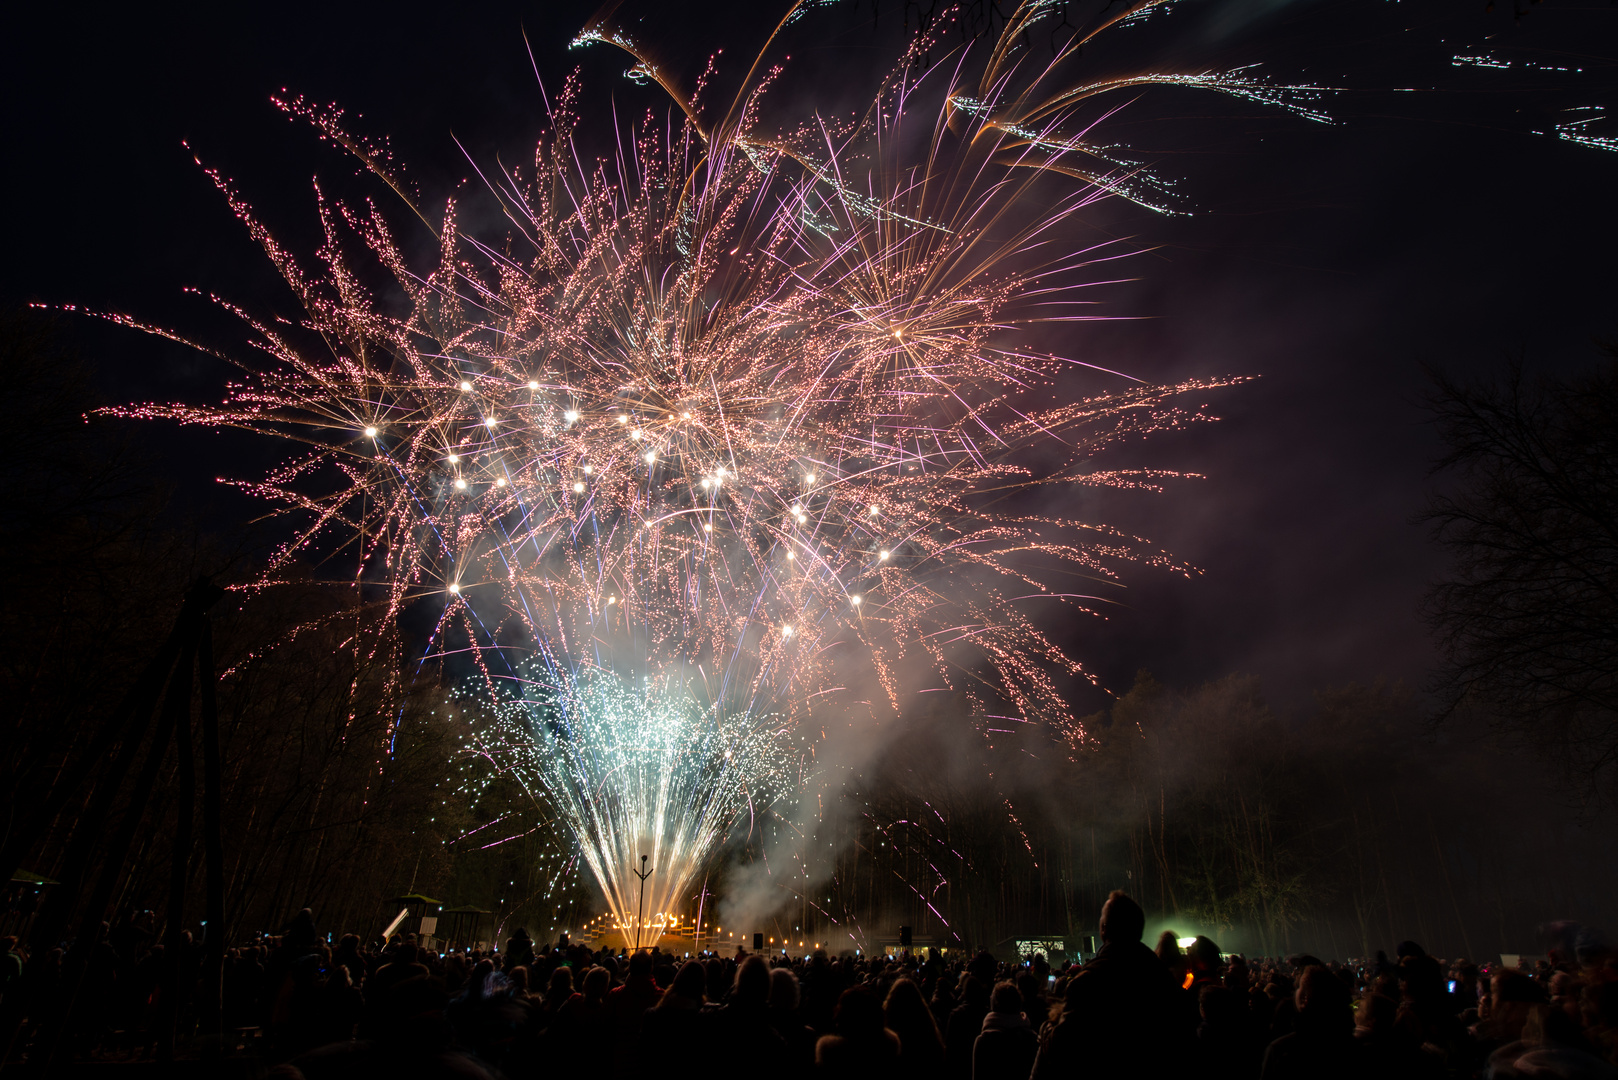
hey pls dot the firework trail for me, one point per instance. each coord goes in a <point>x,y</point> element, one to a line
<point>724,425</point>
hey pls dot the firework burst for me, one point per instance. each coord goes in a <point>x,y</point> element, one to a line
<point>728,439</point>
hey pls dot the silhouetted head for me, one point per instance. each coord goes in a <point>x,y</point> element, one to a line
<point>905,1008</point>
<point>1204,954</point>
<point>597,981</point>
<point>752,981</point>
<point>783,990</point>
<point>1375,1014</point>
<point>689,981</point>
<point>1420,978</point>
<point>412,1011</point>
<point>859,1014</point>
<point>1006,999</point>
<point>1122,920</point>
<point>560,987</point>
<point>1550,1026</point>
<point>640,965</point>
<point>1323,1002</point>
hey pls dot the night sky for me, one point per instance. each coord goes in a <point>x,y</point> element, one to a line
<point>1439,226</point>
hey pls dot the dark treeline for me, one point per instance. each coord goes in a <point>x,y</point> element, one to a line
<point>336,776</point>
<point>1339,832</point>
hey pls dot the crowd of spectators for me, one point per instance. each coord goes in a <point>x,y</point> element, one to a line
<point>402,1010</point>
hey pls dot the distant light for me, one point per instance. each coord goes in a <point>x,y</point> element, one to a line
<point>635,435</point>
<point>623,418</point>
<point>786,631</point>
<point>454,587</point>
<point>809,479</point>
<point>790,555</point>
<point>611,600</point>
<point>571,416</point>
<point>706,527</point>
<point>578,488</point>
<point>460,483</point>
<point>685,416</point>
<point>651,456</point>
<point>706,483</point>
<point>370,433</point>
<point>453,458</point>
<point>875,510</point>
<point>1185,942</point>
<point>884,555</point>
<point>465,385</point>
<point>501,482</point>
<point>854,600</point>
<point>533,384</point>
<point>588,469</point>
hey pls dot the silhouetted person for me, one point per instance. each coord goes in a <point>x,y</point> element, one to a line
<point>862,1048</point>
<point>1387,1051</point>
<point>942,1003</point>
<point>1552,1046</point>
<point>1226,1047</point>
<point>300,938</point>
<point>921,1050</point>
<point>627,1003</point>
<point>672,1029</point>
<point>965,1022</point>
<point>519,950</point>
<point>1007,1045</point>
<point>582,1026</point>
<point>741,1026</point>
<point>412,1039</point>
<point>1116,1018</point>
<point>1321,1045</point>
<point>787,1020</point>
<point>348,956</point>
<point>1512,997</point>
<point>1168,951</point>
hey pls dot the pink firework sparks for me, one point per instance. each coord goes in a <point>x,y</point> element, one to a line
<point>742,419</point>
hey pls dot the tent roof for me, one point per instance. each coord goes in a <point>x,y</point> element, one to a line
<point>28,877</point>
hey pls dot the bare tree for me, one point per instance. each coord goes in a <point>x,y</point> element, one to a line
<point>1527,619</point>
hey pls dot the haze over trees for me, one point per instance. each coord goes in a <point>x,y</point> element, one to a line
<point>1527,619</point>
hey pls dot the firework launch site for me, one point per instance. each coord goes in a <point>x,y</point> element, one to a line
<point>967,540</point>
